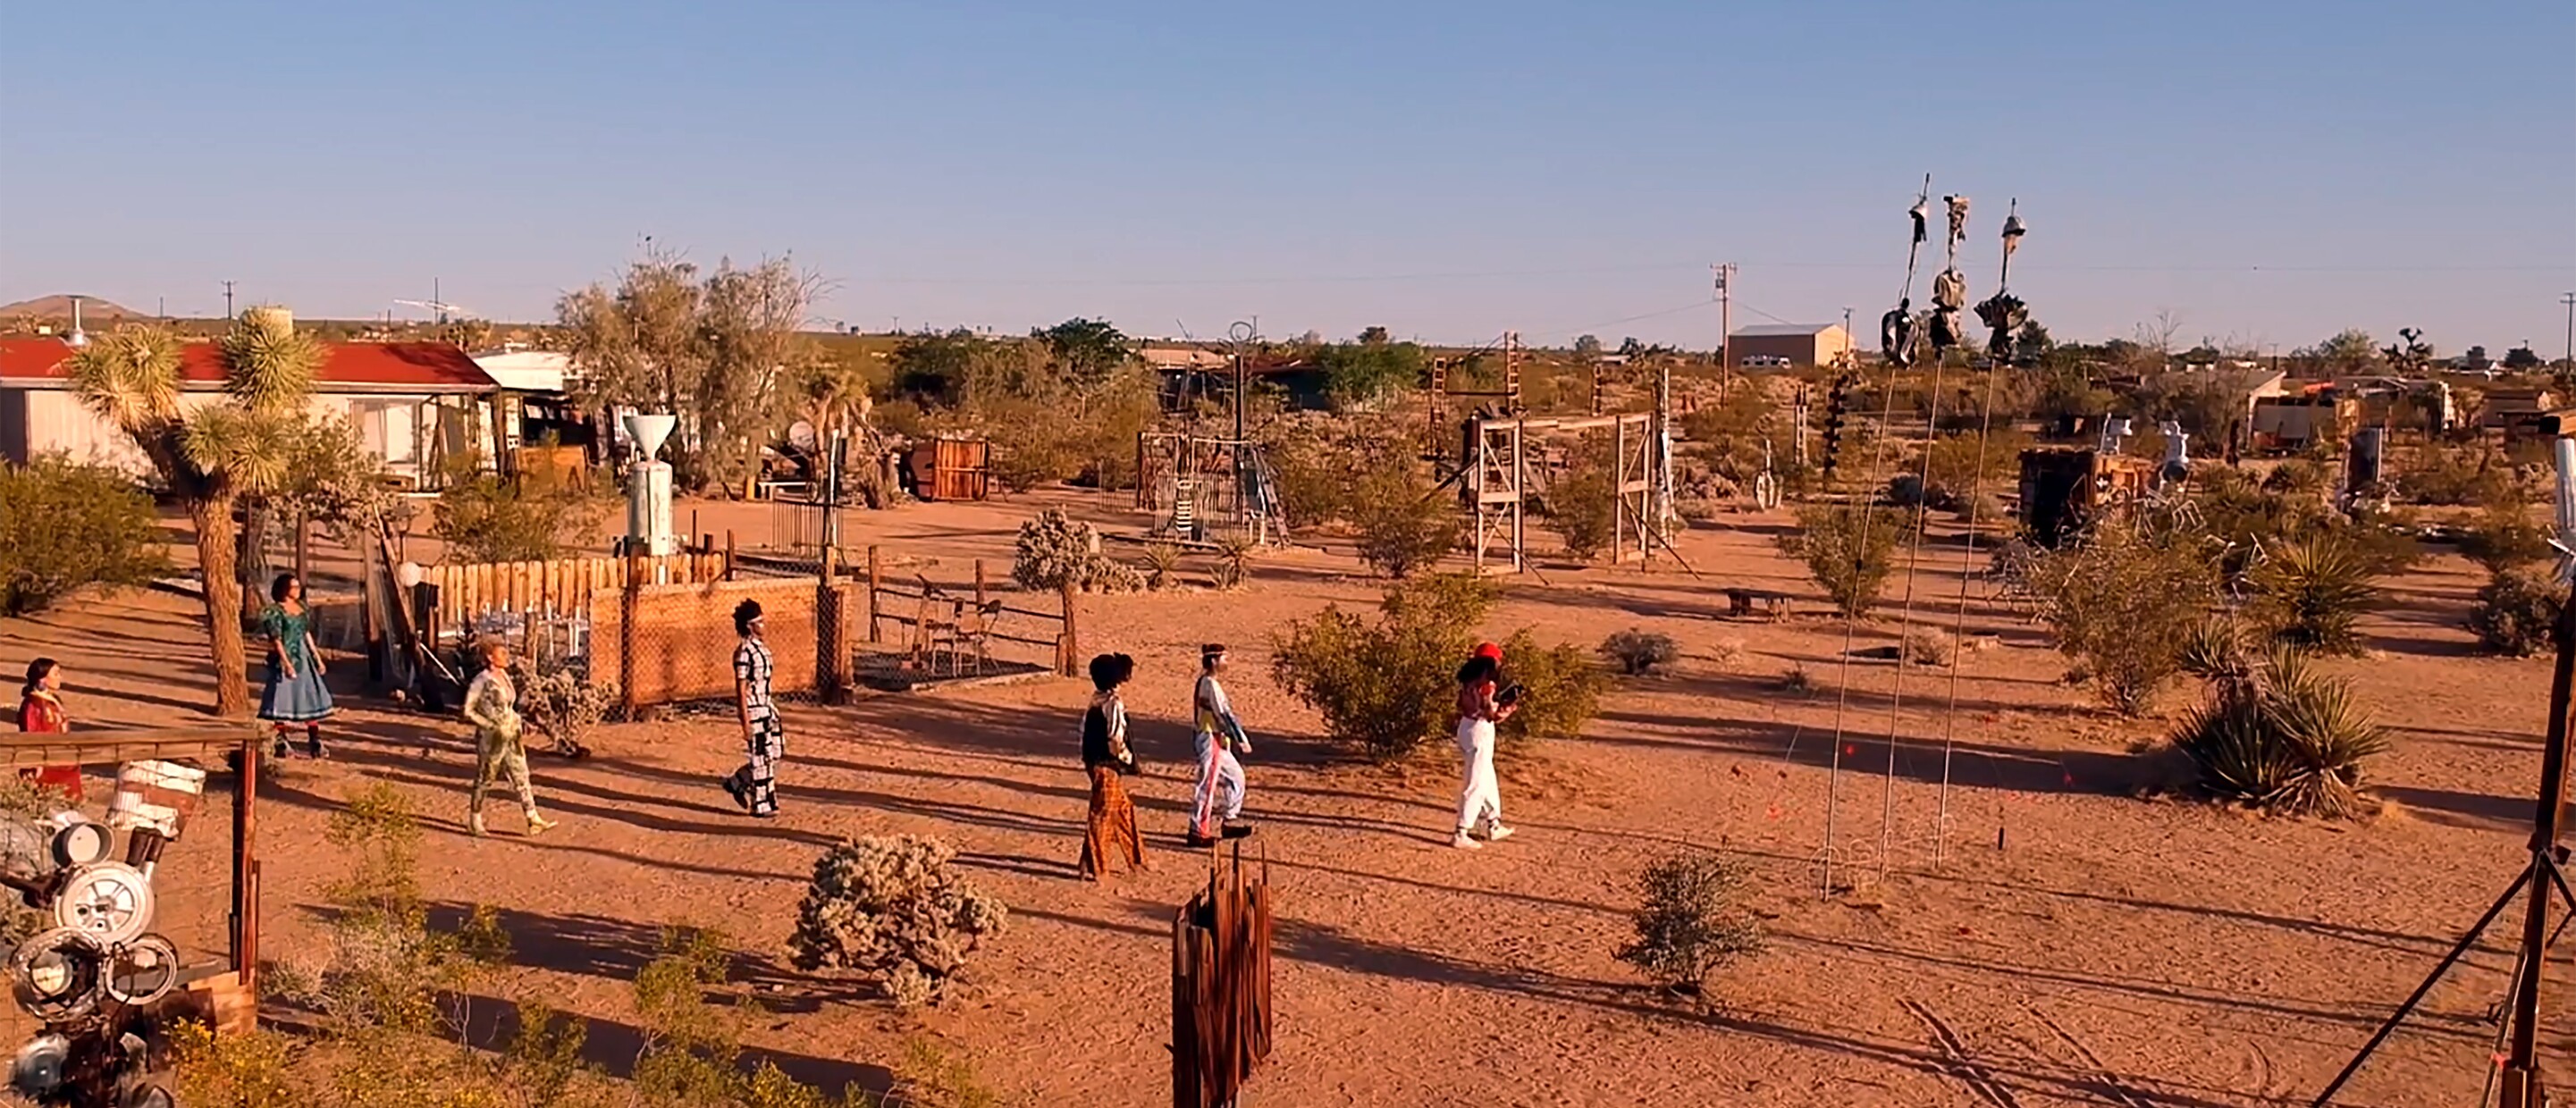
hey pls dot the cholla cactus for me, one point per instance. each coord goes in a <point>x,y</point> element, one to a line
<point>889,910</point>
<point>561,702</point>
<point>1055,549</point>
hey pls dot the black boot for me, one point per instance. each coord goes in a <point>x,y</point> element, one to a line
<point>313,743</point>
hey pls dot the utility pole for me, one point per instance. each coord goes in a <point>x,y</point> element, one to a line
<point>1725,320</point>
<point>2570,301</point>
<point>228,300</point>
<point>1848,341</point>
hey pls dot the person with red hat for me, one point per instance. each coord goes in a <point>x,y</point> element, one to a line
<point>1481,705</point>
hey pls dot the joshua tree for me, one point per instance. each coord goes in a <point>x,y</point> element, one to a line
<point>210,456</point>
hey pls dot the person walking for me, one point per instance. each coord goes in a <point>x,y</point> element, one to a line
<point>755,786</point>
<point>492,706</point>
<point>295,694</point>
<point>40,712</point>
<point>1111,837</point>
<point>1219,738</point>
<point>1480,707</point>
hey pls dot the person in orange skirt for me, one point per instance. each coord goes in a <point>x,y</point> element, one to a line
<point>1111,837</point>
<point>40,710</point>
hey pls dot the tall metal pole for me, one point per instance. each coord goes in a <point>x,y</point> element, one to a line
<point>228,300</point>
<point>2570,301</point>
<point>2522,1086</point>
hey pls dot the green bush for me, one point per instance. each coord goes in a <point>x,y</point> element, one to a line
<point>66,525</point>
<point>2310,590</point>
<point>2283,737</point>
<point>483,517</point>
<point>1404,524</point>
<point>2121,602</point>
<point>2505,536</point>
<point>1560,688</point>
<point>1849,553</point>
<point>1689,922</point>
<point>2471,475</point>
<point>1386,685</point>
<point>2516,613</point>
<point>1584,508</point>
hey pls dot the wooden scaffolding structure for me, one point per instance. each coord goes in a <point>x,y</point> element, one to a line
<point>1499,485</point>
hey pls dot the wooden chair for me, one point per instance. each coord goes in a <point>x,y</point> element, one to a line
<point>975,629</point>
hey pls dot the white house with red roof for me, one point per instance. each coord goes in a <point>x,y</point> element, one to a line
<point>415,403</point>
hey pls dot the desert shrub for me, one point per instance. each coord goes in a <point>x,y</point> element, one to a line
<point>2119,601</point>
<point>1638,652</point>
<point>1927,647</point>
<point>2517,610</point>
<point>1980,510</point>
<point>1162,561</point>
<point>2283,737</point>
<point>2310,590</point>
<point>65,525</point>
<point>1954,466</point>
<point>2297,476</point>
<point>1584,508</point>
<point>1404,524</point>
<point>1055,550</point>
<point>1849,553</point>
<point>1560,688</point>
<point>234,1071</point>
<point>1384,686</point>
<point>1234,561</point>
<point>1797,681</point>
<point>2505,536</point>
<point>2213,649</point>
<point>561,701</point>
<point>1689,922</point>
<point>483,517</point>
<point>890,911</point>
<point>2472,475</point>
<point>1726,653</point>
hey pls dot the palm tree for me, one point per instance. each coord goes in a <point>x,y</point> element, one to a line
<point>210,456</point>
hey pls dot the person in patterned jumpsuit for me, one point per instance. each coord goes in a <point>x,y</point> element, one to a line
<point>755,785</point>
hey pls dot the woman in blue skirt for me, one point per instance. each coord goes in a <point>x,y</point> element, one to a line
<point>295,693</point>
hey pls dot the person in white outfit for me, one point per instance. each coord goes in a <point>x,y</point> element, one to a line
<point>1480,707</point>
<point>1217,740</point>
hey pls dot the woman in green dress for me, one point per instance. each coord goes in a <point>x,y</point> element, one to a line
<point>295,693</point>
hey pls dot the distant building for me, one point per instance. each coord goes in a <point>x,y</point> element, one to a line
<point>415,404</point>
<point>1178,358</point>
<point>1803,344</point>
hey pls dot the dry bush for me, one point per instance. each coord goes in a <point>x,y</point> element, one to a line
<point>1638,652</point>
<point>1925,646</point>
<point>2517,611</point>
<point>1850,553</point>
<point>562,701</point>
<point>1690,921</point>
<point>889,910</point>
<point>2464,476</point>
<point>1727,653</point>
<point>1560,688</point>
<point>2281,736</point>
<point>2310,590</point>
<point>1796,681</point>
<point>1388,685</point>
<point>484,517</point>
<point>2120,600</point>
<point>64,526</point>
<point>1054,550</point>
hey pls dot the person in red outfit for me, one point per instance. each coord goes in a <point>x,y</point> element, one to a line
<point>40,709</point>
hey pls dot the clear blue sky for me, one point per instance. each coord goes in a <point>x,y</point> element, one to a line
<point>1444,169</point>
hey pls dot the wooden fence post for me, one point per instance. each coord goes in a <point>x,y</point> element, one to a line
<point>628,604</point>
<point>876,580</point>
<point>728,563</point>
<point>979,582</point>
<point>1068,645</point>
<point>831,648</point>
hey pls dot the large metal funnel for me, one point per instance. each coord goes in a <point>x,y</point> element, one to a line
<point>651,431</point>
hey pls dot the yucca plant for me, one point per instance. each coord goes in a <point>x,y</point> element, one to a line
<point>1234,560</point>
<point>210,457</point>
<point>1162,560</point>
<point>2310,591</point>
<point>2284,737</point>
<point>2214,650</point>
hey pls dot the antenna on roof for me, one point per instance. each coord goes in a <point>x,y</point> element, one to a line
<point>78,337</point>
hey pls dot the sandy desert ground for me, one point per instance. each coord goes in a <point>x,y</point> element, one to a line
<point>2068,942</point>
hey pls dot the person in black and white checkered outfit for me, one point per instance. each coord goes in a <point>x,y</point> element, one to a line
<point>755,785</point>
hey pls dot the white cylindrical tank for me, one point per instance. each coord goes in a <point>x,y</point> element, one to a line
<point>648,487</point>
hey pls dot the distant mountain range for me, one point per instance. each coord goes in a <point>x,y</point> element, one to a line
<point>59,306</point>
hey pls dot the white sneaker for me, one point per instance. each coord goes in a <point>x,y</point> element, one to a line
<point>1497,833</point>
<point>474,824</point>
<point>1462,842</point>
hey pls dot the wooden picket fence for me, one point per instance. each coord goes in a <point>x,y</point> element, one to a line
<point>468,589</point>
